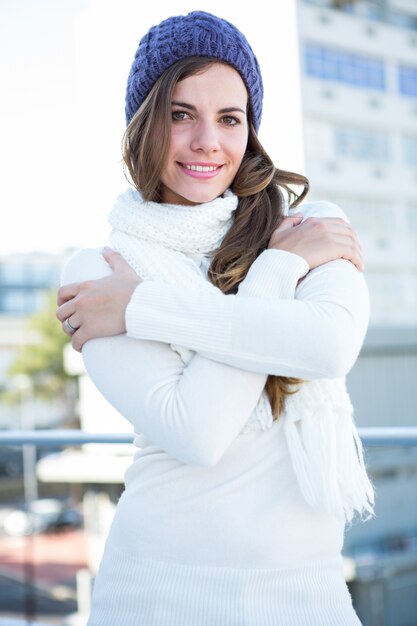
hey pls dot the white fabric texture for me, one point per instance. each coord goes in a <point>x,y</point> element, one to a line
<point>168,232</point>
<point>220,522</point>
<point>325,449</point>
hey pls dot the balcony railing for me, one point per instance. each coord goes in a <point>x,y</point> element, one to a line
<point>371,437</point>
<point>30,439</point>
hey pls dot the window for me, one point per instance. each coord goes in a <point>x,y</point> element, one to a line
<point>29,274</point>
<point>375,10</point>
<point>357,143</point>
<point>44,275</point>
<point>410,150</point>
<point>14,301</point>
<point>407,81</point>
<point>370,9</point>
<point>21,301</point>
<point>402,20</point>
<point>13,274</point>
<point>344,67</point>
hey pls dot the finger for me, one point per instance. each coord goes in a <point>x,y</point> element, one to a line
<point>65,310</point>
<point>357,262</point>
<point>66,330</point>
<point>289,222</point>
<point>67,292</point>
<point>77,341</point>
<point>350,251</point>
<point>75,337</point>
<point>119,264</point>
<point>114,259</point>
<point>330,227</point>
<point>73,323</point>
<point>329,220</point>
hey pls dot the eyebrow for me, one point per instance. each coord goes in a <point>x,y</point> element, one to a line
<point>191,107</point>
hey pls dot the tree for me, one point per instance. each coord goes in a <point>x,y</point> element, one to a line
<point>43,361</point>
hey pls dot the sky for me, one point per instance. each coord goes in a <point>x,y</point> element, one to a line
<point>63,69</point>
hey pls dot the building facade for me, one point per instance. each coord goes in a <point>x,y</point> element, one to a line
<point>359,98</point>
<point>359,91</point>
<point>25,279</point>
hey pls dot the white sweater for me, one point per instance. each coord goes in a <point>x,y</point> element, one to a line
<point>212,528</point>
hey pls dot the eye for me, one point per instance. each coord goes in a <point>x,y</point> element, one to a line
<point>230,120</point>
<point>178,116</point>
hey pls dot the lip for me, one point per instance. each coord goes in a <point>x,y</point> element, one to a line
<point>201,175</point>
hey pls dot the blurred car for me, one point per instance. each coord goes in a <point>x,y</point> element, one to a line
<point>46,516</point>
<point>11,459</point>
<point>65,520</point>
<point>11,462</point>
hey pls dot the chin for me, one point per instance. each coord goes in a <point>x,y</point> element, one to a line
<point>192,196</point>
<point>201,198</point>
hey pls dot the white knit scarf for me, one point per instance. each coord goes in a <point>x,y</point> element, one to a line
<point>167,242</point>
<point>158,239</point>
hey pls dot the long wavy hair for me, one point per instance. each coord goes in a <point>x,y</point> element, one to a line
<point>259,185</point>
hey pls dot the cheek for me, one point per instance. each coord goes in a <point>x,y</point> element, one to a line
<point>237,150</point>
<point>177,139</point>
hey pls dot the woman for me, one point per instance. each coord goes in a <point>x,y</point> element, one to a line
<point>221,325</point>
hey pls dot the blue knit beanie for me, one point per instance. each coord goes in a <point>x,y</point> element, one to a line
<point>195,34</point>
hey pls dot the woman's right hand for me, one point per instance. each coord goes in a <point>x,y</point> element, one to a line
<point>318,240</point>
<point>96,308</point>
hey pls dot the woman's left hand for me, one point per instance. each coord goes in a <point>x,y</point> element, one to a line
<point>96,308</point>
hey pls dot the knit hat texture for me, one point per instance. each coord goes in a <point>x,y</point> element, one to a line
<point>196,34</point>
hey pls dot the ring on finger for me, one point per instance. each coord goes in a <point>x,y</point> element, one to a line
<point>70,328</point>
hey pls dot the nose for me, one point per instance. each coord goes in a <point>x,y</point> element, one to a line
<point>206,137</point>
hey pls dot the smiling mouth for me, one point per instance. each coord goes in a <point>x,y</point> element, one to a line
<point>200,168</point>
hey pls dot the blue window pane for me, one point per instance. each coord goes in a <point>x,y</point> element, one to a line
<point>314,64</point>
<point>362,75</point>
<point>330,65</point>
<point>402,20</point>
<point>376,74</point>
<point>344,67</point>
<point>347,70</point>
<point>407,79</point>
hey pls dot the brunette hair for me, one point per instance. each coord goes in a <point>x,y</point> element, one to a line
<point>259,185</point>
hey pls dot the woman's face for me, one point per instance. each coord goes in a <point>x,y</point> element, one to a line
<point>209,133</point>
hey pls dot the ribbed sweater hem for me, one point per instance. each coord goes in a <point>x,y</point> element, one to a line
<point>146,592</point>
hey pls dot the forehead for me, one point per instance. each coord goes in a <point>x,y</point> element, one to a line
<point>218,84</point>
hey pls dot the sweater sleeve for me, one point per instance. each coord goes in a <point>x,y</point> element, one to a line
<point>314,332</point>
<point>193,410</point>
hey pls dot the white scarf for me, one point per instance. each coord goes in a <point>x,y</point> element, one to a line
<point>167,233</point>
<point>167,242</point>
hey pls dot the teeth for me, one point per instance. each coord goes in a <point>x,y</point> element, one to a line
<point>200,168</point>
